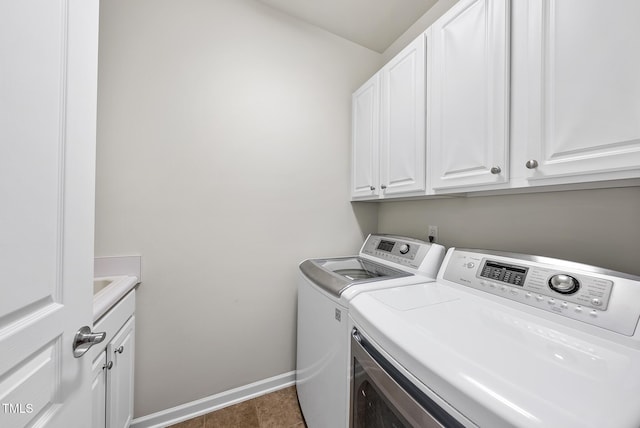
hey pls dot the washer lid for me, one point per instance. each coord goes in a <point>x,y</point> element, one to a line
<point>336,274</point>
<point>499,366</point>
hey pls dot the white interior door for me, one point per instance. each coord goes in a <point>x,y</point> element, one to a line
<point>48,69</point>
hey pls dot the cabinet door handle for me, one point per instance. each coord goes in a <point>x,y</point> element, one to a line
<point>496,170</point>
<point>372,188</point>
<point>108,366</point>
<point>119,349</point>
<point>383,187</point>
<point>531,164</point>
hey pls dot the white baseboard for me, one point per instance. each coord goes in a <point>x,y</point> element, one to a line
<point>215,402</point>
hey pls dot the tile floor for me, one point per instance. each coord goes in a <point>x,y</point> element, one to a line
<point>279,409</point>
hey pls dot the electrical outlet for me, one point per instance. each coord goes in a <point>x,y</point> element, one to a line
<point>433,232</point>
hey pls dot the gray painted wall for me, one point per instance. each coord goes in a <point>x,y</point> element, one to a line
<point>598,227</point>
<point>223,159</point>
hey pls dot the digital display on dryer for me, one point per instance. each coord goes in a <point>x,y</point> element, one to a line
<point>510,274</point>
<point>385,246</point>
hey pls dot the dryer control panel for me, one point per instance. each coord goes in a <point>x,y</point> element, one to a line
<point>583,290</point>
<point>422,256</point>
<point>585,293</point>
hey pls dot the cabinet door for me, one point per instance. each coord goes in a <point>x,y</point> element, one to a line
<point>98,391</point>
<point>468,131</point>
<point>365,129</point>
<point>584,87</point>
<point>402,121</point>
<point>120,377</point>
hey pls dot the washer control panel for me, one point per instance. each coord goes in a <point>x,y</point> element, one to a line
<point>585,293</point>
<point>393,249</point>
<point>422,256</point>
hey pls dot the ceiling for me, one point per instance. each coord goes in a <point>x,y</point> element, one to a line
<point>374,24</point>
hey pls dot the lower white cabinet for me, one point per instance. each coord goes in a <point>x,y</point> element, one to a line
<point>99,391</point>
<point>119,403</point>
<point>113,368</point>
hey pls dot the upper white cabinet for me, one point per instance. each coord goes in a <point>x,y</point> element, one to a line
<point>388,141</point>
<point>365,104</point>
<point>468,102</point>
<point>582,88</point>
<point>510,95</point>
<point>402,121</point>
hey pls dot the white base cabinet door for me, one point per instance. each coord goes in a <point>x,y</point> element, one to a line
<point>99,391</point>
<point>583,88</point>
<point>112,379</point>
<point>468,102</point>
<point>120,352</point>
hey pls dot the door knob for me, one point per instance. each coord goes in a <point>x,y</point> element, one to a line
<point>372,188</point>
<point>383,187</point>
<point>85,339</point>
<point>531,164</point>
<point>496,170</point>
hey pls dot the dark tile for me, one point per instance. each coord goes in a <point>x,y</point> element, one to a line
<point>241,415</point>
<point>279,409</point>
<point>191,423</point>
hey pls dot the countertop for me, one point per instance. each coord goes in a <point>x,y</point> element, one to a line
<point>106,298</point>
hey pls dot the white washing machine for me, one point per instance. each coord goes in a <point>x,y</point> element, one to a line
<point>499,340</point>
<point>325,287</point>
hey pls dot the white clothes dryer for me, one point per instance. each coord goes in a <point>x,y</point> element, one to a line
<point>325,287</point>
<point>499,340</point>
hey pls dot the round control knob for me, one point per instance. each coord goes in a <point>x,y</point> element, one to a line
<point>404,249</point>
<point>564,284</point>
